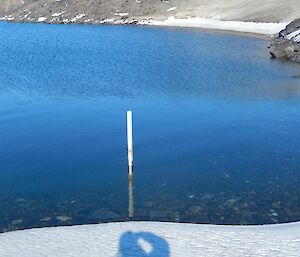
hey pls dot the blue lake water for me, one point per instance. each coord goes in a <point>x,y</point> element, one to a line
<point>216,127</point>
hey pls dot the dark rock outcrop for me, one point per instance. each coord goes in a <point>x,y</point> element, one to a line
<point>286,44</point>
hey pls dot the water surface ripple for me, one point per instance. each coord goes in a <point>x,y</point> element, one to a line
<point>216,127</point>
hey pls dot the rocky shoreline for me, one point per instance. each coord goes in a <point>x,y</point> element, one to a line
<point>286,44</point>
<point>233,15</point>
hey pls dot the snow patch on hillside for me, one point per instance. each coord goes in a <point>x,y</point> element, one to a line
<point>77,17</point>
<point>57,14</point>
<point>295,36</point>
<point>42,19</point>
<point>238,26</point>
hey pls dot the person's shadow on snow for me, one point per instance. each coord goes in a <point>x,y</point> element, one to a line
<point>142,244</point>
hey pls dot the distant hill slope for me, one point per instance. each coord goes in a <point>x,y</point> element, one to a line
<point>95,11</point>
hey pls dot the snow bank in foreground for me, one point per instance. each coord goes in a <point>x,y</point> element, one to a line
<point>239,26</point>
<point>153,239</point>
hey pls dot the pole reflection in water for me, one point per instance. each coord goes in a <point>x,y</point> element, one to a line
<point>130,197</point>
<point>130,165</point>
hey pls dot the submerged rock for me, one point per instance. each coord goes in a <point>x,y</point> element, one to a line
<point>286,44</point>
<point>46,219</point>
<point>17,222</point>
<point>63,218</point>
<point>195,209</point>
<point>231,202</point>
<point>105,215</point>
<point>20,200</point>
<point>158,214</point>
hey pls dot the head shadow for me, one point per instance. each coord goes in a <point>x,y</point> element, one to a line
<point>142,244</point>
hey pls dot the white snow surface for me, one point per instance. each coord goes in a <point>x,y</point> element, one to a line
<point>238,26</point>
<point>297,38</point>
<point>57,14</point>
<point>172,9</point>
<point>41,19</point>
<point>121,14</point>
<point>294,35</point>
<point>77,17</point>
<point>138,239</point>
